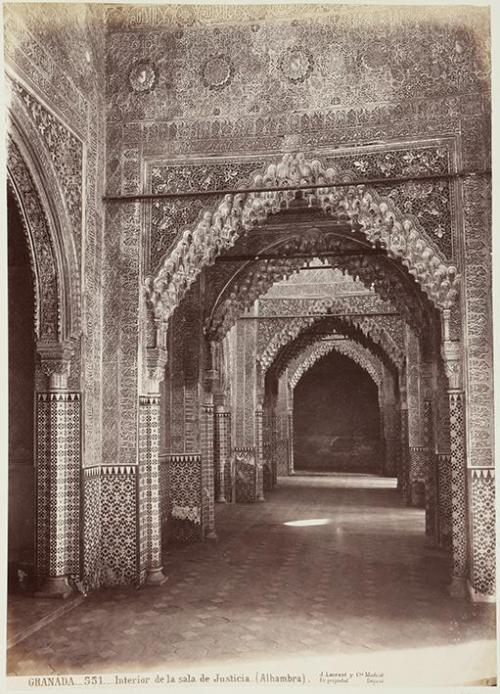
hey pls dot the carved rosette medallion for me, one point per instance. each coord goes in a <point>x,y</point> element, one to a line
<point>296,64</point>
<point>143,77</point>
<point>217,72</point>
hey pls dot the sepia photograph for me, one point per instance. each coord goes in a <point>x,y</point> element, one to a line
<point>248,303</point>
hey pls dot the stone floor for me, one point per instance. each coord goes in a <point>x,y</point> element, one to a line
<point>331,575</point>
<point>25,615</point>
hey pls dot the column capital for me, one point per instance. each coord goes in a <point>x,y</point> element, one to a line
<point>403,394</point>
<point>451,352</point>
<point>156,360</point>
<point>55,360</point>
<point>210,378</point>
<point>428,379</point>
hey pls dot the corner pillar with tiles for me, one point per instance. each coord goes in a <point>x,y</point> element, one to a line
<point>404,470</point>
<point>431,482</point>
<point>417,453</point>
<point>207,436</point>
<point>222,444</point>
<point>290,441</point>
<point>58,450</point>
<point>259,452</point>
<point>452,357</point>
<point>151,570</point>
<point>389,425</point>
<point>478,367</point>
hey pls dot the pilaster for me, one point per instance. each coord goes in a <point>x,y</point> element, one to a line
<point>452,357</point>
<point>207,427</point>
<point>222,452</point>
<point>149,514</point>
<point>58,455</point>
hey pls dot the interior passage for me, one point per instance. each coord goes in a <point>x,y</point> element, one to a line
<point>332,565</point>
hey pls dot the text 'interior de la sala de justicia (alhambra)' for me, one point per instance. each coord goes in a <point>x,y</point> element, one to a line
<point>249,259</point>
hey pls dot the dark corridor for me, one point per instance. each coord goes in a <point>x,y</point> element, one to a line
<point>337,418</point>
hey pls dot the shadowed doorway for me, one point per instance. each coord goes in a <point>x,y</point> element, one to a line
<point>337,418</point>
<point>21,392</point>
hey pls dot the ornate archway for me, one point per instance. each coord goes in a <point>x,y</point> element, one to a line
<point>377,219</point>
<point>56,278</point>
<point>374,223</point>
<point>387,278</point>
<point>306,326</point>
<point>302,341</point>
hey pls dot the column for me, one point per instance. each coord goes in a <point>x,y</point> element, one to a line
<point>388,426</point>
<point>444,499</point>
<point>58,460</point>
<point>222,451</point>
<point>150,560</point>
<point>274,446</point>
<point>266,445</point>
<point>383,433</point>
<point>207,430</point>
<point>452,355</point>
<point>259,453</point>
<point>290,442</point>
<point>404,478</point>
<point>428,384</point>
<point>431,529</point>
<point>417,462</point>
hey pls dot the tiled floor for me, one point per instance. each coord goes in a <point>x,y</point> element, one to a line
<point>353,585</point>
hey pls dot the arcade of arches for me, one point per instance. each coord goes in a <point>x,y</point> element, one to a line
<point>306,290</point>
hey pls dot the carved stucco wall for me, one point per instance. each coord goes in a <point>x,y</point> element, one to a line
<point>164,69</point>
<point>424,74</point>
<point>224,75</point>
<point>54,61</point>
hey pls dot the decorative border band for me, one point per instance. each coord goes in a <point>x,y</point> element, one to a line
<point>59,397</point>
